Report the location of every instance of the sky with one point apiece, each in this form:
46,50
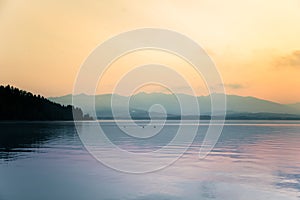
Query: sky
255,44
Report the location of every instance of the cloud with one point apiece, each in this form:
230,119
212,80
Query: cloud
290,60
234,86
228,86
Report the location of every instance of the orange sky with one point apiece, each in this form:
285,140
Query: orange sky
255,44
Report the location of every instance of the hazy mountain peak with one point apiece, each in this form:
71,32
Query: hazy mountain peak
143,101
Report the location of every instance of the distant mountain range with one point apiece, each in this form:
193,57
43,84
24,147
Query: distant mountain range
295,106
238,107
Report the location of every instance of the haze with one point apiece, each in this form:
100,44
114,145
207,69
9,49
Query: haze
255,44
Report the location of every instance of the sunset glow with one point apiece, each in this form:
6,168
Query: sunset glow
254,44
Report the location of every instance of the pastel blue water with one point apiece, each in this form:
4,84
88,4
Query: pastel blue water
252,160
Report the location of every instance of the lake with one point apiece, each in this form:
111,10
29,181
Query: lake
251,160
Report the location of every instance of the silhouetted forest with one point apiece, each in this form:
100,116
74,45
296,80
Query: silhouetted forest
16,104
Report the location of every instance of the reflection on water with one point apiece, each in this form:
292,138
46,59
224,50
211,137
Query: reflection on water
252,160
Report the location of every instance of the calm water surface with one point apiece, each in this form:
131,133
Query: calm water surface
252,160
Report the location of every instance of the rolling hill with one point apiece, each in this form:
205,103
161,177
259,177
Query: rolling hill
16,104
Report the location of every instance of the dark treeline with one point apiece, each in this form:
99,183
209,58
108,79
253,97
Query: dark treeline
18,104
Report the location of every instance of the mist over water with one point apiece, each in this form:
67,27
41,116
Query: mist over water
252,160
